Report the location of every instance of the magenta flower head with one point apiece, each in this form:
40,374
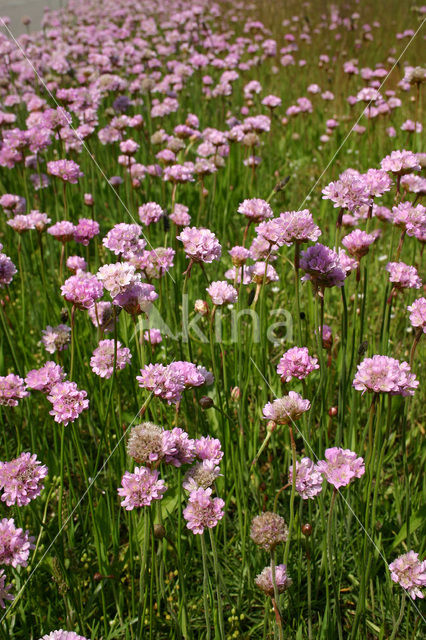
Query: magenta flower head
222,293
400,162
12,389
123,238
296,363
101,315
15,544
178,447
62,231
7,270
56,338
163,382
265,582
150,212
322,266
82,290
63,635
382,374
200,245
299,226
117,277
308,478
137,298
4,590
239,255
76,263
21,479
46,377
66,170
67,402
409,572
340,466
418,314
85,230
145,444
208,448
255,210
403,276
102,360
203,510
357,243
140,488
287,409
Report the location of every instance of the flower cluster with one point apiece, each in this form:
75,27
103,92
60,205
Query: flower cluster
102,360
409,572
21,479
67,402
308,478
265,581
383,374
15,544
12,389
340,466
296,363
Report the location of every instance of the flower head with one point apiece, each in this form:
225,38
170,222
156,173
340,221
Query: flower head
46,377
21,479
400,162
140,488
82,290
255,210
403,276
340,466
296,363
265,582
268,530
15,544
12,389
7,270
4,590
409,572
67,170
322,266
200,245
56,338
222,293
67,402
382,374
418,314
102,360
203,510
145,444
285,410
308,479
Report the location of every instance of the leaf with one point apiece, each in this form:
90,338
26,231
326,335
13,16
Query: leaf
415,521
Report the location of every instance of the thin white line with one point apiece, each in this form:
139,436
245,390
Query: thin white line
79,138
338,490
361,114
69,518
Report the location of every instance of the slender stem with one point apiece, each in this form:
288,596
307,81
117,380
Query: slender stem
330,564
401,614
206,588
292,496
276,596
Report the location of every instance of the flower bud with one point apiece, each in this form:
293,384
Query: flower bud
235,394
201,307
159,531
307,530
206,402
332,412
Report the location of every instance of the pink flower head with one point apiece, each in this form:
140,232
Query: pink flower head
67,402
308,479
382,374
136,298
76,263
63,635
62,231
180,215
400,162
162,382
178,447
150,212
239,255
56,338
15,544
46,377
85,230
82,290
21,479
358,242
153,336
4,590
208,448
255,210
140,488
322,266
341,466
102,360
203,510
265,581
263,273
403,276
123,238
12,389
286,409
222,293
299,226
296,363
66,170
418,314
117,277
409,572
200,245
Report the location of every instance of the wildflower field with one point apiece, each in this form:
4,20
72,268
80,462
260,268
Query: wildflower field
211,321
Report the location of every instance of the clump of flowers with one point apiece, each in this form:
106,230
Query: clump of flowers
298,227
200,245
265,582
66,170
255,210
56,338
15,544
418,314
357,243
178,447
145,444
403,276
46,377
203,511
150,212
202,474
268,530
163,382
102,360
340,466
62,231
222,293
140,488
76,263
21,479
137,298
12,389
400,162
308,478
409,572
296,363
67,402
322,266
7,270
85,230
382,374
117,277
123,238
82,290
287,409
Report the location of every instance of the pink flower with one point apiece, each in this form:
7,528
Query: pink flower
15,544
76,263
46,377
123,238
200,245
21,479
163,382
222,293
85,230
82,290
67,170
67,402
102,360
4,590
255,210
296,363
7,270
322,266
286,409
382,374
403,276
208,448
341,466
140,488
56,338
150,212
308,478
400,162
358,243
418,314
62,231
265,582
409,572
203,510
12,389
62,635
